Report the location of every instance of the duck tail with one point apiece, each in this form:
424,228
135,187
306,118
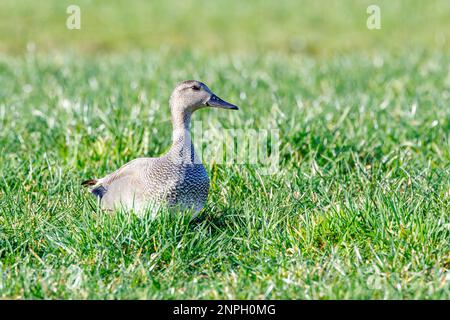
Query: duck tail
95,187
90,182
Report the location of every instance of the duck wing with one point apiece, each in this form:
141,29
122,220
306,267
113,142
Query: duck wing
126,173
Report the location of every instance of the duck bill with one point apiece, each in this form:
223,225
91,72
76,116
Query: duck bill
216,102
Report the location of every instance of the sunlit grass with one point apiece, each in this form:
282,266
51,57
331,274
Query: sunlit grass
358,209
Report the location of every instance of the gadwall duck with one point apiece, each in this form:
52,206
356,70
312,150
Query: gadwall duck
178,178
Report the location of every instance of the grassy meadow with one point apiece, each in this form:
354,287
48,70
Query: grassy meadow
359,207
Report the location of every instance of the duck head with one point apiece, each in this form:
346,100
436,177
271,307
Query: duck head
191,95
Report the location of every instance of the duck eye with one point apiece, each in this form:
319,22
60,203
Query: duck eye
195,88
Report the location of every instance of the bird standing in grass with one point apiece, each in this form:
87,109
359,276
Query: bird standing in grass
178,178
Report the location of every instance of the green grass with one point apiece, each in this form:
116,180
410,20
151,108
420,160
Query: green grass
316,27
358,209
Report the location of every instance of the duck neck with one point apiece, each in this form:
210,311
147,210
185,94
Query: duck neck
182,149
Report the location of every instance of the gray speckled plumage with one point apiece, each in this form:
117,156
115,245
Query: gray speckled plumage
178,178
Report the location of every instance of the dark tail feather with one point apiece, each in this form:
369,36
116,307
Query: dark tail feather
99,191
90,182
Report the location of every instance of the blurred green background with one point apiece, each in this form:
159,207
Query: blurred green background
313,27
